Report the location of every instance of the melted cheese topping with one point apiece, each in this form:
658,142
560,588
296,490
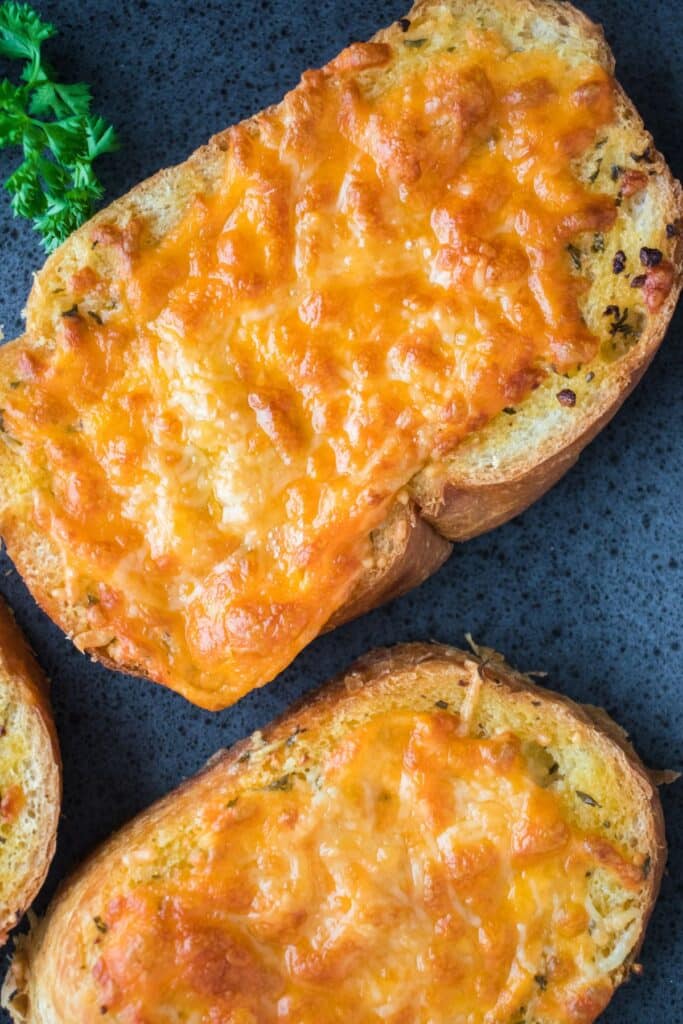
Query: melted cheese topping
382,268
421,875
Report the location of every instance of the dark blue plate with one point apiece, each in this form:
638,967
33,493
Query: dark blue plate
587,584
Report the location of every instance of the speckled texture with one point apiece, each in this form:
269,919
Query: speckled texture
588,584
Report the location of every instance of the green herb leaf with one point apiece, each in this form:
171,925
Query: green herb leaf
65,139
101,137
43,100
11,98
51,97
55,186
22,31
74,99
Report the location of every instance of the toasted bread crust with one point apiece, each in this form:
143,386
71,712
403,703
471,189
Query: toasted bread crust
410,676
463,508
489,478
407,551
27,687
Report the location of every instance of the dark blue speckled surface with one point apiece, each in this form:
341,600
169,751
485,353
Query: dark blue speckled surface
588,584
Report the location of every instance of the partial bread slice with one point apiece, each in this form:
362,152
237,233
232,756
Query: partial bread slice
30,776
491,476
307,874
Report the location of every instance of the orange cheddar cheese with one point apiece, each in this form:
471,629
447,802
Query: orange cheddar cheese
422,874
383,269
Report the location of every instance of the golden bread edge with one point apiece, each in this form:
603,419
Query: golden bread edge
28,686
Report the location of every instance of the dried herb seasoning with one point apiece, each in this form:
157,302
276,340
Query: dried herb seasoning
575,255
283,784
586,798
650,257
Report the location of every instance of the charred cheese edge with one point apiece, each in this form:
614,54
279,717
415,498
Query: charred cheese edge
231,377
432,838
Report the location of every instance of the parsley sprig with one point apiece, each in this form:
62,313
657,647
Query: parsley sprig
55,185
